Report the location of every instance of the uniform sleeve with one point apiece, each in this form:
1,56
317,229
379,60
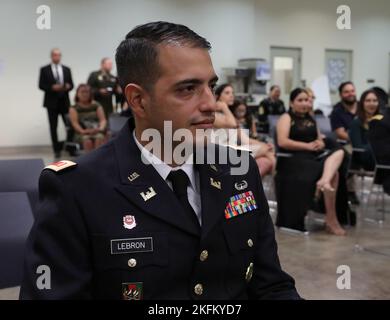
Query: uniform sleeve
269,281
93,83
58,240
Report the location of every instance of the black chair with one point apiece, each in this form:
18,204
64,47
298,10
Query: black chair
376,189
355,168
69,145
16,221
21,175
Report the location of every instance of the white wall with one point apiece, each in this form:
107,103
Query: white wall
88,30
311,25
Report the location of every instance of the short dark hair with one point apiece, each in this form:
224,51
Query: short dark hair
273,87
137,55
104,60
343,84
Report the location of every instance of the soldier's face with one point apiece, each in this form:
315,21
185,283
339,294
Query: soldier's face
275,94
107,65
184,91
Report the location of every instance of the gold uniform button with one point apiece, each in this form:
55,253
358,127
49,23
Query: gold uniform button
249,272
204,255
250,243
198,289
132,263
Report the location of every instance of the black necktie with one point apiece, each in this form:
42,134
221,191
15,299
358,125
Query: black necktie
180,183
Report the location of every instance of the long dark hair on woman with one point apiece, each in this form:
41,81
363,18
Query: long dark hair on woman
361,114
296,92
248,117
220,89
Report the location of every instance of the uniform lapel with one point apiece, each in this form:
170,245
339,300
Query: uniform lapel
137,179
214,198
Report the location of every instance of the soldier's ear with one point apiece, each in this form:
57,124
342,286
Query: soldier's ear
135,98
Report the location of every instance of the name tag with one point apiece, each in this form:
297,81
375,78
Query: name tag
133,245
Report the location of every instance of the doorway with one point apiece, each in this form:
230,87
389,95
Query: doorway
338,66
286,69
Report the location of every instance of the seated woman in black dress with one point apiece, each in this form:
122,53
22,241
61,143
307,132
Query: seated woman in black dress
309,172
368,107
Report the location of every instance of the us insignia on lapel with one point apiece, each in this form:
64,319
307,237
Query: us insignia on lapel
133,176
240,204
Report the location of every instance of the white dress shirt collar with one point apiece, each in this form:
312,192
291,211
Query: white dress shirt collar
162,168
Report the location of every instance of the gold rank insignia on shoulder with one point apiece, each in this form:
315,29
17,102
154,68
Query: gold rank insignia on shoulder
148,194
377,117
60,165
216,184
133,176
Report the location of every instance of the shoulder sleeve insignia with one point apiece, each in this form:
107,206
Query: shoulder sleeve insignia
60,165
377,117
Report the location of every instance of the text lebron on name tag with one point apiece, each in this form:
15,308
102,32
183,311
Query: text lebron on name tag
133,245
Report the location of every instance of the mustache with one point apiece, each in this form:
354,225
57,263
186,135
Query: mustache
204,120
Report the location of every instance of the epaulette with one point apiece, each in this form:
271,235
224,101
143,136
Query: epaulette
377,117
60,165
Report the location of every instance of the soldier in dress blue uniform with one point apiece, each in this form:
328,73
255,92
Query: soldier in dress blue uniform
122,223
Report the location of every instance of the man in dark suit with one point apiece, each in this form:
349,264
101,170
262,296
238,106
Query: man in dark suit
127,222
56,81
